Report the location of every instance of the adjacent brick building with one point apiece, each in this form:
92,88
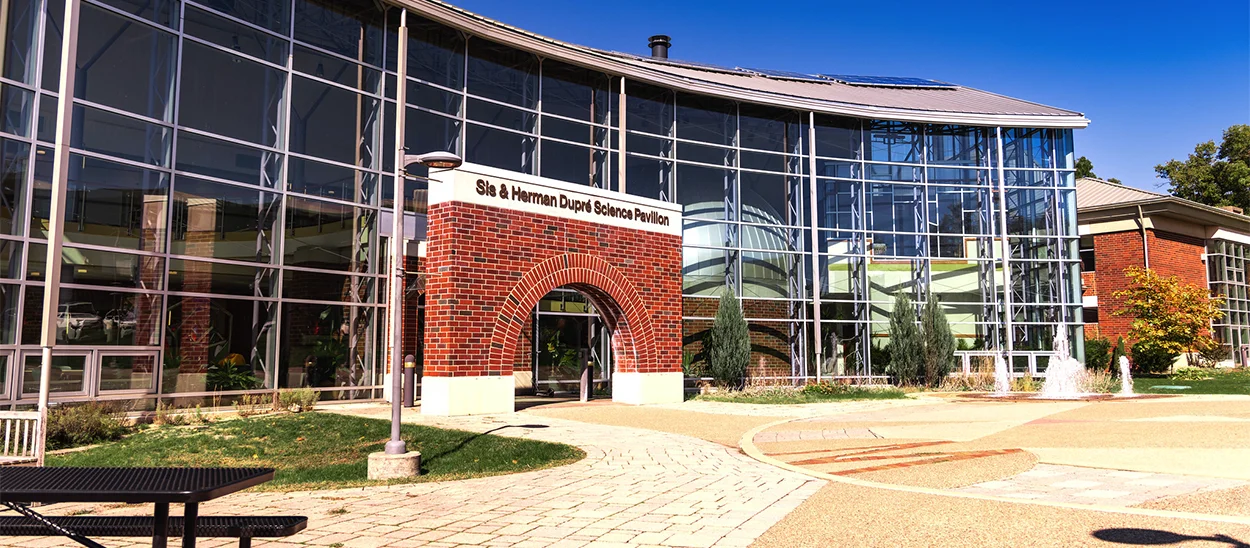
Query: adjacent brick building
1123,227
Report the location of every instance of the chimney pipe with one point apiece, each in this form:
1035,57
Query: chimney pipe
659,45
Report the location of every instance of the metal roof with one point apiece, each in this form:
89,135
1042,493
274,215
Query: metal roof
1091,192
958,105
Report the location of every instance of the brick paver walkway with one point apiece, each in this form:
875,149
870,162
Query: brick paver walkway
635,488
1081,485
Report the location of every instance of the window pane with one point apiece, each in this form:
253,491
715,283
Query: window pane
352,28
703,271
326,345
702,191
766,198
271,14
499,148
765,128
91,317
707,120
121,136
435,52
13,170
163,12
226,160
240,38
327,235
10,315
107,204
575,92
229,95
18,105
502,73
223,221
338,70
10,259
838,137
501,116
227,279
217,344
95,267
21,24
127,372
433,98
333,123
892,142
124,65
767,274
649,178
426,132
648,109
566,162
322,286
331,181
67,374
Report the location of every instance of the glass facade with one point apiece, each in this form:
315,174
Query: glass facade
1226,276
231,174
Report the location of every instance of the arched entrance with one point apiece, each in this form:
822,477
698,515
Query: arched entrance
499,242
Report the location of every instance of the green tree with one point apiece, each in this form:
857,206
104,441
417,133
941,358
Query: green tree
939,343
906,346
1084,168
1169,315
728,344
1114,181
1216,176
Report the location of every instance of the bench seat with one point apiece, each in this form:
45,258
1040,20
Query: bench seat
243,528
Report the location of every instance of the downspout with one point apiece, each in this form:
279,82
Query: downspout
1145,244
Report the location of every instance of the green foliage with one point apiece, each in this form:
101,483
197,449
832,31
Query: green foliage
322,450
298,400
692,367
231,376
1098,354
1150,358
879,355
75,425
906,346
728,343
1216,176
1084,168
787,395
1192,374
1168,314
939,343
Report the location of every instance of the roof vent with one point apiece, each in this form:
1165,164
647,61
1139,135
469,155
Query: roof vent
659,45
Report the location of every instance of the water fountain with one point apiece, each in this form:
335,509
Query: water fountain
1126,377
1002,377
1064,375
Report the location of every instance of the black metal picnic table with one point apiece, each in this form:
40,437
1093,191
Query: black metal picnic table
159,486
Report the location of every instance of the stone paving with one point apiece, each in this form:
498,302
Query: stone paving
1081,485
810,410
806,435
635,488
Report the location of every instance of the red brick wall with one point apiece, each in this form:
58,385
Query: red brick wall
489,266
1170,255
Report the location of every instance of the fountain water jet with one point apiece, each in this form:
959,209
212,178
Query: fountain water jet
1002,376
1064,375
1126,377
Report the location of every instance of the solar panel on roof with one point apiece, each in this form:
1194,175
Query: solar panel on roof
887,81
783,74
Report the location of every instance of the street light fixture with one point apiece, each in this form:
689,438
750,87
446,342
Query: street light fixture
431,160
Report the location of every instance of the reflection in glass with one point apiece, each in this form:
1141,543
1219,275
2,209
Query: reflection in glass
324,286
229,95
499,148
96,267
21,18
221,278
107,203
502,73
227,160
13,171
326,345
127,372
17,105
67,373
241,38
124,65
221,221
333,123
435,52
328,236
121,136
214,343
92,317
337,69
331,181
271,14
351,28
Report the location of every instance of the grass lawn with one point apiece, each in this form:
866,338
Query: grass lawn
792,396
1220,381
321,450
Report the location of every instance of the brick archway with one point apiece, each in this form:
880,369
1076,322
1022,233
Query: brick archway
607,289
501,241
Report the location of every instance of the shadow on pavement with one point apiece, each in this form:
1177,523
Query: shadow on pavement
1155,537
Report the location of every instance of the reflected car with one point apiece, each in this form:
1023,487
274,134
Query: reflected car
119,324
77,319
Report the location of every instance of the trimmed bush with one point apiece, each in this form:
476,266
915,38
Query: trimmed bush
1098,354
906,346
728,346
75,425
1148,358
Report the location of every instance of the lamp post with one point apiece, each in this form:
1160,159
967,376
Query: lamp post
431,160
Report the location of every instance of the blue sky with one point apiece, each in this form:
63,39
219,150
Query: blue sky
1155,78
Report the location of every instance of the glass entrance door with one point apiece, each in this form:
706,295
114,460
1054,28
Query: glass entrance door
568,333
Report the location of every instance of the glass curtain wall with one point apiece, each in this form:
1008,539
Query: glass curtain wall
231,160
